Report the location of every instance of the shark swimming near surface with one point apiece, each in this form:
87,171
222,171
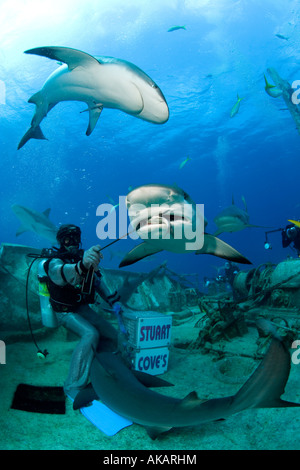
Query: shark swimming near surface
37,222
121,390
233,219
102,82
165,218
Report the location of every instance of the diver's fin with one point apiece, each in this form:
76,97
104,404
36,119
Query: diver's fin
214,246
295,222
32,133
94,116
72,57
137,253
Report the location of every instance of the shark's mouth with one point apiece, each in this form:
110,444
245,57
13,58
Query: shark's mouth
156,221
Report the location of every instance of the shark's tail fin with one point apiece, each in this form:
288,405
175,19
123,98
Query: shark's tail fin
265,386
32,133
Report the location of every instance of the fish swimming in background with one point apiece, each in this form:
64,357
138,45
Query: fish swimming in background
175,28
182,164
104,82
281,36
34,221
165,217
272,90
236,107
233,219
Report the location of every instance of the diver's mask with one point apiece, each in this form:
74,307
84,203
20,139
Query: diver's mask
69,237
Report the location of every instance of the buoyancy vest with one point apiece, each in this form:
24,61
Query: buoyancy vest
67,298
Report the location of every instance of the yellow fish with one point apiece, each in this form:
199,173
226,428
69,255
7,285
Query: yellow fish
184,162
236,107
272,90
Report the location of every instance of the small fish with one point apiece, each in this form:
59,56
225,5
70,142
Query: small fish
236,107
272,90
182,164
114,208
175,28
281,36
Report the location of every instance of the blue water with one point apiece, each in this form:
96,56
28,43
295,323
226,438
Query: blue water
226,49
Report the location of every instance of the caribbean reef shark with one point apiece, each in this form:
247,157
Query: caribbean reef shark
233,219
36,222
102,82
117,387
166,218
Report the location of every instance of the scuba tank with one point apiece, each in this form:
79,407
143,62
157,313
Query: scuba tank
49,318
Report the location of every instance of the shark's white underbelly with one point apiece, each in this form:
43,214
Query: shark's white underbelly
106,88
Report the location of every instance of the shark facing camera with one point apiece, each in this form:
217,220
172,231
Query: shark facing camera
166,218
176,227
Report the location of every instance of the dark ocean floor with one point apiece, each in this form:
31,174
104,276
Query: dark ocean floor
188,370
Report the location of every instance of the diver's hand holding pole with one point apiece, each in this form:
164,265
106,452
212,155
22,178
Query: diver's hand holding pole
91,259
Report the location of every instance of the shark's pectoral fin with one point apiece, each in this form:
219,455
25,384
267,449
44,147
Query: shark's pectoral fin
21,230
36,99
153,432
150,380
32,133
84,397
94,113
72,57
215,246
218,232
139,252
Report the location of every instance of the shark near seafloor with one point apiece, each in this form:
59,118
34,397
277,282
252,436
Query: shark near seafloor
118,388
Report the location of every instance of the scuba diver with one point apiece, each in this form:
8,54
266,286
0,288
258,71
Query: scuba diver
291,234
231,270
227,274
72,277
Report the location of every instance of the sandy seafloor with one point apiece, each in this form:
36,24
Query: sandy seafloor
188,370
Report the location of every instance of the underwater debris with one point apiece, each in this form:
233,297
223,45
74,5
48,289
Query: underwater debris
222,320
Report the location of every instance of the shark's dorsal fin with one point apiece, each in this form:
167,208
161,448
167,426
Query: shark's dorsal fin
47,212
191,400
72,57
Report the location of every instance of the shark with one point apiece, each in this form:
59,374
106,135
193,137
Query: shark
166,217
34,221
130,396
233,219
102,82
